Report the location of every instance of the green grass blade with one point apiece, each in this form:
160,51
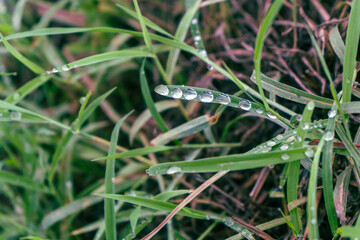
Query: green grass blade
149,101
337,43
165,196
155,204
27,88
341,192
109,208
260,40
143,27
347,231
147,21
134,217
21,181
193,126
229,162
351,46
351,107
32,66
83,102
311,204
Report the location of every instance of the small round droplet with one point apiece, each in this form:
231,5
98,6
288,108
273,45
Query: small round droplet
299,117
176,93
173,170
209,67
312,208
267,150
15,116
305,126
309,152
311,106
16,96
284,147
348,81
206,97
313,221
228,222
285,157
69,184
290,139
197,38
259,111
82,100
332,113
223,99
112,180
245,105
202,53
190,94
65,68
162,90
270,143
54,70
1,114
270,115
279,137
328,135
194,21
298,138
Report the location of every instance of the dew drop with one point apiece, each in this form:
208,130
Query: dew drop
244,233
311,106
305,126
173,170
270,143
82,100
313,221
54,70
245,105
202,53
279,137
176,93
332,113
228,222
290,139
194,21
1,114
112,180
15,116
312,208
197,38
270,115
284,147
209,67
347,80
190,94
162,90
309,152
65,68
267,149
206,97
298,138
68,184
16,96
147,171
271,166
285,157
259,111
223,99
299,117
328,135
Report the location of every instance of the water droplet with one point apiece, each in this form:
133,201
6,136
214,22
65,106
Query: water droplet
313,221
312,208
328,135
245,105
112,180
271,166
147,171
176,93
299,117
162,90
1,114
259,111
68,184
223,99
194,21
15,116
54,70
202,53
16,96
197,38
65,68
173,170
208,217
279,137
190,94
290,139
305,126
228,222
270,143
267,149
284,147
244,233
206,97
332,113
209,67
311,106
298,138
82,100
285,157
270,115
347,80
309,152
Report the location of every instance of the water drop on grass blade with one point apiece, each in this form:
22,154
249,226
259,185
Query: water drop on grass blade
271,115
332,113
65,68
270,143
15,116
259,111
194,21
284,147
290,139
82,100
206,97
279,137
313,221
328,135
285,157
197,38
190,94
162,90
309,152
223,99
16,96
209,67
173,170
228,222
176,93
245,105
311,106
202,53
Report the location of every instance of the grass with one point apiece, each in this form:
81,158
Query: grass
237,140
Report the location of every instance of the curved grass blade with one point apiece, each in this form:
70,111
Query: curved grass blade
143,27
341,192
351,107
260,39
32,66
146,115
229,162
109,207
351,47
337,43
347,231
83,102
155,204
291,93
165,196
184,130
21,181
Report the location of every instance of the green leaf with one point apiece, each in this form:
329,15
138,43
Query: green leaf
21,181
337,43
143,27
134,217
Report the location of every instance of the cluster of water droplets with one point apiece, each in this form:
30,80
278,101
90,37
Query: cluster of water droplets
64,68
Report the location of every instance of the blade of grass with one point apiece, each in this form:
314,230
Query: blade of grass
337,43
351,46
22,181
83,102
260,40
109,207
143,27
31,65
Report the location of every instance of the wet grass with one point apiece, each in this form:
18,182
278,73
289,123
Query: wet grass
252,130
